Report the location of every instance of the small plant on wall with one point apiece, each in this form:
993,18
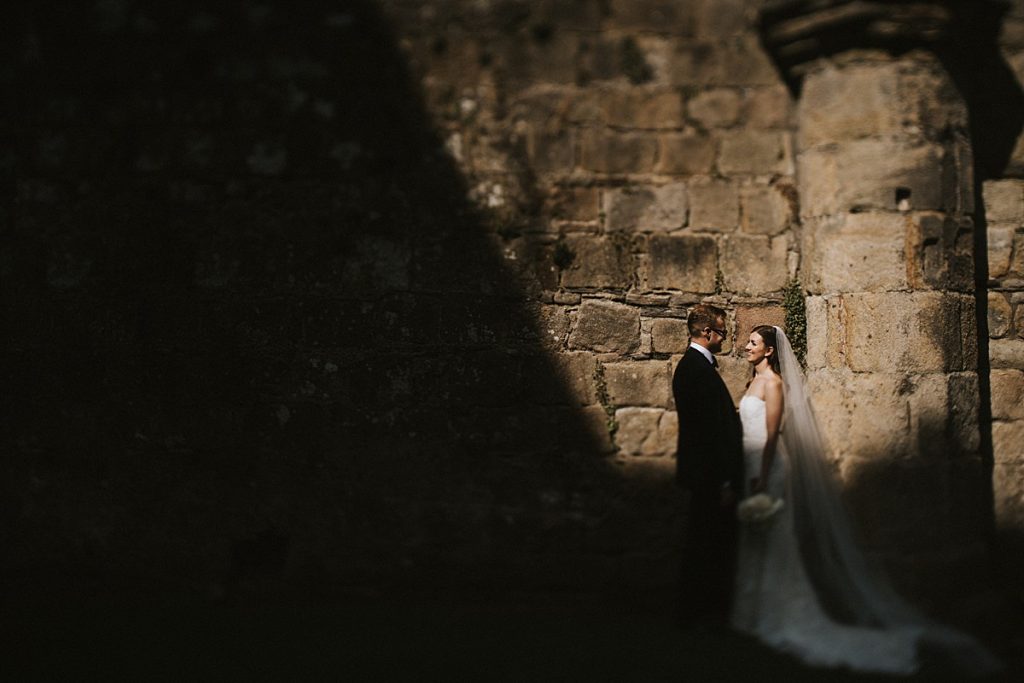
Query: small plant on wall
796,318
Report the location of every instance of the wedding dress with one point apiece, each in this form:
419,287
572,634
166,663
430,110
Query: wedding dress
802,584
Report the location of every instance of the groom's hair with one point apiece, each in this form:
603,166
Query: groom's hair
703,315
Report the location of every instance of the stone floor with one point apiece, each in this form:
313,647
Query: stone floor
367,637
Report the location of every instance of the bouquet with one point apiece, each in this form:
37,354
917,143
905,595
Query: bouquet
758,508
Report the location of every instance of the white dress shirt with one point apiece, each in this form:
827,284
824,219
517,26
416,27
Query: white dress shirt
707,354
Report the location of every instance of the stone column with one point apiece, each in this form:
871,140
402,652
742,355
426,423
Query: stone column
884,173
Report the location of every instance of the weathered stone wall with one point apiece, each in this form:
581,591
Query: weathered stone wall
886,189
1004,201
374,291
641,155
1005,261
366,291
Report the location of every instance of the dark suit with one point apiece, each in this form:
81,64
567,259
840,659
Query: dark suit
709,455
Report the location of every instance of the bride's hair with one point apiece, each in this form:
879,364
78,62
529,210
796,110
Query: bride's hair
767,333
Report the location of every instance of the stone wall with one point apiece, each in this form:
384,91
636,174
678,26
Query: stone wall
1004,201
644,151
374,291
1005,278
371,291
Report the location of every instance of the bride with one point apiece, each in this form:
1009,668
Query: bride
802,584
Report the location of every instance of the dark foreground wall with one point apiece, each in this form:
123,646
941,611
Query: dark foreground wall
254,335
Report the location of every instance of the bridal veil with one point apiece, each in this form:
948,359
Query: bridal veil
848,589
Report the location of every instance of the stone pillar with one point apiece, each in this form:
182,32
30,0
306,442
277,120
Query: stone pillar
884,172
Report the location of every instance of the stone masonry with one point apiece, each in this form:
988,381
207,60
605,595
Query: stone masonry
393,290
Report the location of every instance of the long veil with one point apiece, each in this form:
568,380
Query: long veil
846,585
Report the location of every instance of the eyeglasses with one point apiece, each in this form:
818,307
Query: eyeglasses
721,333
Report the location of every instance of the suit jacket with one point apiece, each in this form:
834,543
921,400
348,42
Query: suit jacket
710,447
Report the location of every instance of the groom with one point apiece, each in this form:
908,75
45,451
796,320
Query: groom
709,465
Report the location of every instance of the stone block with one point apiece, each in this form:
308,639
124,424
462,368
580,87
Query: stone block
573,203
752,264
1007,394
606,327
828,391
1006,353
1000,315
552,108
717,108
1008,486
661,16
817,331
767,209
879,418
940,253
649,432
756,152
851,102
646,343
1008,443
769,107
685,154
550,151
605,151
643,108
1004,201
736,373
909,332
1018,321
865,174
597,262
714,205
1017,262
531,259
745,63
962,411
720,19
669,335
552,326
580,16
639,383
570,374
856,252
687,263
640,299
646,208
527,62
692,64
927,405
748,317
1000,250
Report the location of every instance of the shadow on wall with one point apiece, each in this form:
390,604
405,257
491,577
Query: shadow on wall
995,104
255,335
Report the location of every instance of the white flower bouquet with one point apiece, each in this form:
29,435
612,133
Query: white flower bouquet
759,508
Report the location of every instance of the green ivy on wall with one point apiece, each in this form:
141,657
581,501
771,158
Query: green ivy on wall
611,424
796,318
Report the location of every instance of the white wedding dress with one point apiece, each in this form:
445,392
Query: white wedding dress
776,600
